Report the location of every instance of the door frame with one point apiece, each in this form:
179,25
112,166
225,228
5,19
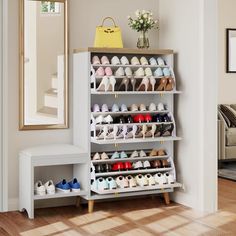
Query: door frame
3,106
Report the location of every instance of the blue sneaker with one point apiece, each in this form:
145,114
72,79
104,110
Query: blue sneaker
63,186
123,155
115,155
74,185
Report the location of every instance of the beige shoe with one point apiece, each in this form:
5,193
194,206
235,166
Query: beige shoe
132,181
153,153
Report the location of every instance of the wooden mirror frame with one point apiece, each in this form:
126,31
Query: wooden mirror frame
22,125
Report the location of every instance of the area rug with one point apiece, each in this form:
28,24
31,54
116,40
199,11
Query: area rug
228,171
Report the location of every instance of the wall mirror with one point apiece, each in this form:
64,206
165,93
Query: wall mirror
230,50
43,64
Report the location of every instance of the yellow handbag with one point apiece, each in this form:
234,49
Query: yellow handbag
108,37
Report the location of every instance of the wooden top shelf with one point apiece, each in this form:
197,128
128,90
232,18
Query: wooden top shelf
125,51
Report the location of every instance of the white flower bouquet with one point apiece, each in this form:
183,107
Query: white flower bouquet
144,21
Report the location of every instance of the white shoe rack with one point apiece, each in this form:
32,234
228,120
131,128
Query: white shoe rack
85,96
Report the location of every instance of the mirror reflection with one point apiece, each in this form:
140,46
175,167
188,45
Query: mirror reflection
44,65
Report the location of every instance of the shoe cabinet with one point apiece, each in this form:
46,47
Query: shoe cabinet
34,160
96,135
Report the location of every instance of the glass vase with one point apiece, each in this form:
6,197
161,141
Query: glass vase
143,41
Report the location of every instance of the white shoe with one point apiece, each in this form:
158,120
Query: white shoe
144,61
134,154
152,82
146,164
50,187
141,180
120,72
148,72
96,108
160,179
124,60
160,107
96,157
138,165
122,182
139,72
170,178
105,108
108,119
104,85
39,188
132,181
160,61
99,119
152,107
128,71
115,108
104,156
112,83
142,107
142,154
150,179
124,108
115,60
134,107
135,61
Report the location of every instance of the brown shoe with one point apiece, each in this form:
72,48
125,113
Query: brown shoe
153,153
161,152
162,85
156,164
170,85
165,164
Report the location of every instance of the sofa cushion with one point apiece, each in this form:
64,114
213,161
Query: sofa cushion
230,152
231,137
230,113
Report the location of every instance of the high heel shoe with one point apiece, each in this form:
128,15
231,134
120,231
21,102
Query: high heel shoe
151,131
158,131
129,133
112,83
133,83
152,82
112,134
138,133
162,85
167,130
144,130
125,83
143,85
134,131
170,85
148,134
103,133
104,85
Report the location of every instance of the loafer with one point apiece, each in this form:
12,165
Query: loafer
143,61
96,108
152,107
100,71
170,178
153,61
139,72
105,60
108,71
124,108
104,156
138,165
115,108
160,107
111,183
150,179
160,179
122,182
160,61
124,60
141,180
142,107
132,181
123,155
102,184
74,185
96,60
120,72
115,155
135,61
134,107
134,154
158,72
115,60
96,156
148,72
128,71
166,72
105,108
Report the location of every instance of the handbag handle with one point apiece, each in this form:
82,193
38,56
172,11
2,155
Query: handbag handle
109,18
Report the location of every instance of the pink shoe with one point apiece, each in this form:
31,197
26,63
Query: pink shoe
96,60
100,71
105,60
108,71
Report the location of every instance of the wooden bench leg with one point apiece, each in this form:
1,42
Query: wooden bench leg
78,201
90,206
166,198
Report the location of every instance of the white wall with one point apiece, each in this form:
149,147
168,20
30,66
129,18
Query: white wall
84,16
189,27
227,82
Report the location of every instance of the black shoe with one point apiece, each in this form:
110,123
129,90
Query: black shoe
107,168
157,118
166,118
167,130
129,119
120,120
99,168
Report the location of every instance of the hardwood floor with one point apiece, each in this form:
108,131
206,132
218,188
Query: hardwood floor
136,217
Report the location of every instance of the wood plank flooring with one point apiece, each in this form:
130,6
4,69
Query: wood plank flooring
136,217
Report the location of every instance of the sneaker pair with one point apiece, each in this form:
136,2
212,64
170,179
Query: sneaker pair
66,187
43,189
166,178
104,184
141,165
135,154
147,180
